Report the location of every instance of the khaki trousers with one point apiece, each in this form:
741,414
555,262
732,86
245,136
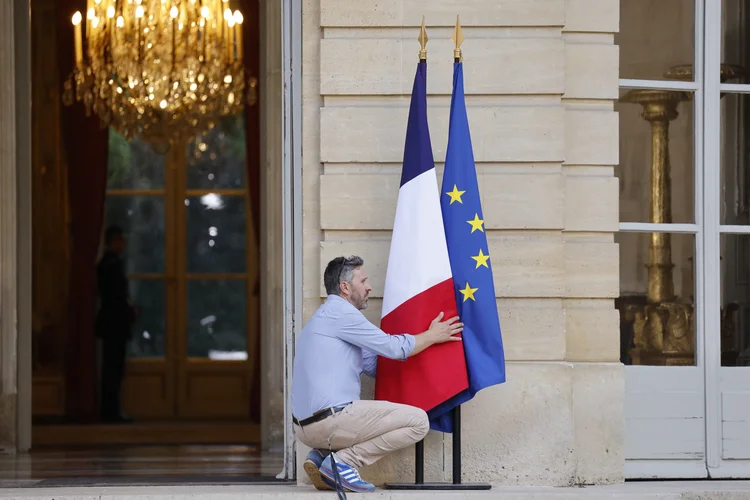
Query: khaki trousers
366,431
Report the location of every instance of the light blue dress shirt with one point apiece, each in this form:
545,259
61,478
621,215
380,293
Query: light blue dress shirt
335,347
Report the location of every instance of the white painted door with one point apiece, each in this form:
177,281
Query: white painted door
685,255
661,237
727,211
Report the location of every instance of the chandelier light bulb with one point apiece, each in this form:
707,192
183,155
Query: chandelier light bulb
139,11
238,17
76,18
173,12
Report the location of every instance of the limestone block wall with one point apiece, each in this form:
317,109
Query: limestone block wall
541,77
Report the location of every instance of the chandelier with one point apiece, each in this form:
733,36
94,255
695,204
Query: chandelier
164,70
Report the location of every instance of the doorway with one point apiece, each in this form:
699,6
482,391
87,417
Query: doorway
685,224
44,395
191,215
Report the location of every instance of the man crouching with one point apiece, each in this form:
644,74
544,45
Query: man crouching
334,348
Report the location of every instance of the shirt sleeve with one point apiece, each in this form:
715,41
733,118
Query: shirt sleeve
356,330
369,362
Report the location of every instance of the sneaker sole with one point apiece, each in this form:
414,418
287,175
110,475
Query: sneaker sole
328,475
314,474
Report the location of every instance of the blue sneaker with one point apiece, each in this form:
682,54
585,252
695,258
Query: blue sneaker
350,478
312,467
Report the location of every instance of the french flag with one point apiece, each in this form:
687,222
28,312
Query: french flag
419,282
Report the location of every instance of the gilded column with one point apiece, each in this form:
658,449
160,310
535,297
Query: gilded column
659,108
663,328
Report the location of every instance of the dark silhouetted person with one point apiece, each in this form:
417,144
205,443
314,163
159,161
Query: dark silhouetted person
114,322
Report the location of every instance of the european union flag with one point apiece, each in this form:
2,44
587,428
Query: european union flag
470,262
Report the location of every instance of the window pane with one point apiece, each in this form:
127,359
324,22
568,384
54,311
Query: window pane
133,164
735,158
217,326
142,220
216,159
657,283
735,300
149,331
656,36
215,233
656,156
735,56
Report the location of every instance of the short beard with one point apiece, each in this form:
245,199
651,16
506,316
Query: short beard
359,302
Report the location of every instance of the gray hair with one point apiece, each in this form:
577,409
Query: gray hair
340,270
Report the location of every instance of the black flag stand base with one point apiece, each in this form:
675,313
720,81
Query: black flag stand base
419,483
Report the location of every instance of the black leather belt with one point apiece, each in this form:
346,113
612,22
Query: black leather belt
318,415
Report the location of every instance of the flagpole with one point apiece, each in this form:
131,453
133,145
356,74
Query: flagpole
458,38
419,448
457,445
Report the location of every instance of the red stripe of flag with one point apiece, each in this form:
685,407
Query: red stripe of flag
432,376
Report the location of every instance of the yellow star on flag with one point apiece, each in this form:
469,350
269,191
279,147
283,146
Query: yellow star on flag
468,292
476,223
455,195
481,259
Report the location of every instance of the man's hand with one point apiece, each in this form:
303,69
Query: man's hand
445,331
438,333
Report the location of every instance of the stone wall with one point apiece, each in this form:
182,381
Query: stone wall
541,77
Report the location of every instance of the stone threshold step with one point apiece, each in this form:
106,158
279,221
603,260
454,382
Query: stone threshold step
667,490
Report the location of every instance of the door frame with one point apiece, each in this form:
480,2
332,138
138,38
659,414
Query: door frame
712,241
21,36
291,49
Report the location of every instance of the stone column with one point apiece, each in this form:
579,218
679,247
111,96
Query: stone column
8,231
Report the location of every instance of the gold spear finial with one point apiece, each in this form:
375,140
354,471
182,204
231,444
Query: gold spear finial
423,42
458,39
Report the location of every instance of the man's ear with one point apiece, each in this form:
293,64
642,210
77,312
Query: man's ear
344,287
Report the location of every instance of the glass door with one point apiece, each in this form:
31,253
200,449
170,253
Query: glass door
661,233
141,200
192,264
727,211
218,277
685,237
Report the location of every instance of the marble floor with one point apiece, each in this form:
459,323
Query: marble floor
141,465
